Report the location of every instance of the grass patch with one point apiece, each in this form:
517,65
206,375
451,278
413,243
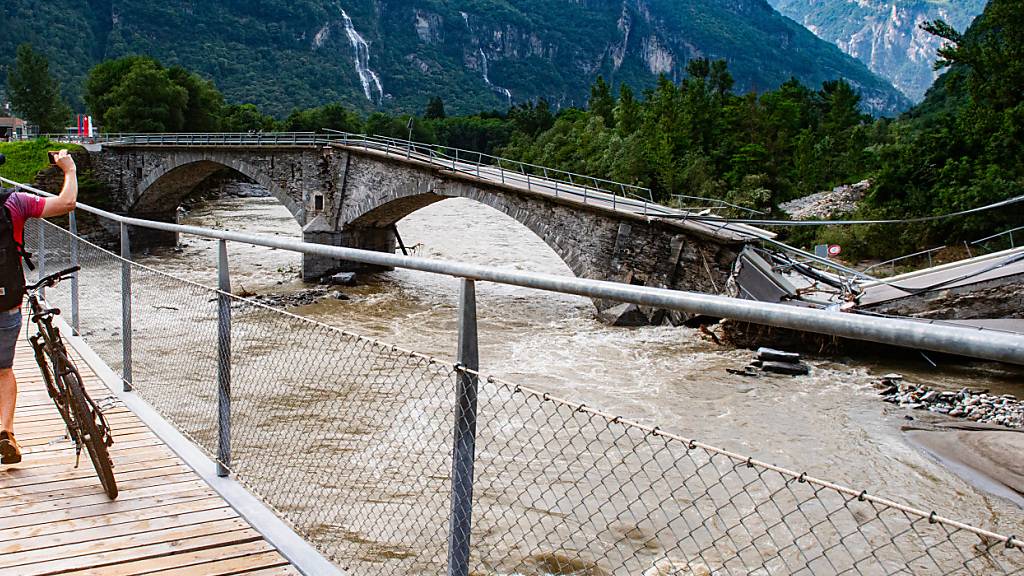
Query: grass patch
25,159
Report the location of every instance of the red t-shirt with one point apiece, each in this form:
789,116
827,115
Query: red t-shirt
22,207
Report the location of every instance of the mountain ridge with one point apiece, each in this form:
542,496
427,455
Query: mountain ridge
396,54
885,34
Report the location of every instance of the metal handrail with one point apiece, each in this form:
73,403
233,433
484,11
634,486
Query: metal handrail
465,161
1003,233
719,202
929,252
923,335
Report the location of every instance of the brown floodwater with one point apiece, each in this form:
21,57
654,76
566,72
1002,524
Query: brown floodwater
830,424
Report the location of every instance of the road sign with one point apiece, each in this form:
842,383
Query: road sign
834,250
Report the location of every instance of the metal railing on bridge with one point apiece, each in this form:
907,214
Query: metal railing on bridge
393,462
532,177
984,243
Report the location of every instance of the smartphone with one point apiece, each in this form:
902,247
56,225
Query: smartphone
53,156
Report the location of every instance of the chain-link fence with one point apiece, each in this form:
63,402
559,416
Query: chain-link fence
350,440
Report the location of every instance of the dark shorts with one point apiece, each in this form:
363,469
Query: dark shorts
10,327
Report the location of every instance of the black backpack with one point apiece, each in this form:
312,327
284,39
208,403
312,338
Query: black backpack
12,275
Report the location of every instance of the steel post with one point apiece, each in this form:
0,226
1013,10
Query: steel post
464,450
73,238
41,250
126,309
223,361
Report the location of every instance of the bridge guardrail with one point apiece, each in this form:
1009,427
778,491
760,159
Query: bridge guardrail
398,463
983,242
892,263
559,182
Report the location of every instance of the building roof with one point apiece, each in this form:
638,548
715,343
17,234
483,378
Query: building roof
12,122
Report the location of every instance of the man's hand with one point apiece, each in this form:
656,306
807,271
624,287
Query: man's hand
65,202
65,162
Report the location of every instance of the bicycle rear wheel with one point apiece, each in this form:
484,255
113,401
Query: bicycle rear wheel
89,433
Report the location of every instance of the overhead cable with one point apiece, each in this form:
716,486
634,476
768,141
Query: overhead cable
758,222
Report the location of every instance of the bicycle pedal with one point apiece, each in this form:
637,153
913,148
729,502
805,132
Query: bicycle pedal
107,403
58,440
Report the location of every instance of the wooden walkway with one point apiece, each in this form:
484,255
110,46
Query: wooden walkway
55,519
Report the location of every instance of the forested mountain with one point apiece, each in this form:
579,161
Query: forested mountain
395,54
885,34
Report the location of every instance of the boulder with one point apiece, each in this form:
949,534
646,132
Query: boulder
340,279
628,315
797,369
772,355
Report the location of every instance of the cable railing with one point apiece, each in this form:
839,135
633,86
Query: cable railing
394,462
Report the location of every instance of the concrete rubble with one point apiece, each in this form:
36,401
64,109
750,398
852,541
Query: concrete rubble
973,405
302,298
774,361
840,200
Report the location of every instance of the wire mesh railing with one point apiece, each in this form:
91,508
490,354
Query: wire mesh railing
365,449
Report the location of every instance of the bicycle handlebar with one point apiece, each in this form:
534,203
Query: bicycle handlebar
52,279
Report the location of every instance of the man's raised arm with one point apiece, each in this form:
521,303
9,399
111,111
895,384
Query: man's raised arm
65,202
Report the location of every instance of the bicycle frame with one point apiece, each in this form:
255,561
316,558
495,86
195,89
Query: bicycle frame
57,367
54,364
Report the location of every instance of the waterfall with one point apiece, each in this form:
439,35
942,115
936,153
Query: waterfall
499,89
367,77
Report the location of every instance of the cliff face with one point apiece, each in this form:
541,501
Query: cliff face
396,54
885,34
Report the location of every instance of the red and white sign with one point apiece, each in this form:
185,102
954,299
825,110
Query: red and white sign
835,249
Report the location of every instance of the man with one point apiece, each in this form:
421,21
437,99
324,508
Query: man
20,207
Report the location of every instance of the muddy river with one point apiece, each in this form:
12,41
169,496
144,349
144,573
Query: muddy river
830,424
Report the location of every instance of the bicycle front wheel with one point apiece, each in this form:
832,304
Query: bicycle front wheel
89,433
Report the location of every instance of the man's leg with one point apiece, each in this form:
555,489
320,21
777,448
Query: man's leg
8,399
10,327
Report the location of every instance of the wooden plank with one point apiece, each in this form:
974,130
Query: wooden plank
168,510
25,427
54,518
104,509
125,441
98,498
148,558
126,481
161,522
12,483
55,465
267,563
72,496
82,554
286,570
58,436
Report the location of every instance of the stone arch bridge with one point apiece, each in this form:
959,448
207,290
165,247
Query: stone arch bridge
345,195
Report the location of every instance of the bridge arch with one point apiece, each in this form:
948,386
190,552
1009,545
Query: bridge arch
166,185
388,205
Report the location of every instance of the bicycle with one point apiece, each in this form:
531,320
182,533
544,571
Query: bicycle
84,420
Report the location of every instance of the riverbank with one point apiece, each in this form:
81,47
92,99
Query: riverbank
27,158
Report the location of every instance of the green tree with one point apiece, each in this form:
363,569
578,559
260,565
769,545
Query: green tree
333,116
148,100
246,118
34,94
203,110
601,102
993,51
137,94
101,82
627,111
435,109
